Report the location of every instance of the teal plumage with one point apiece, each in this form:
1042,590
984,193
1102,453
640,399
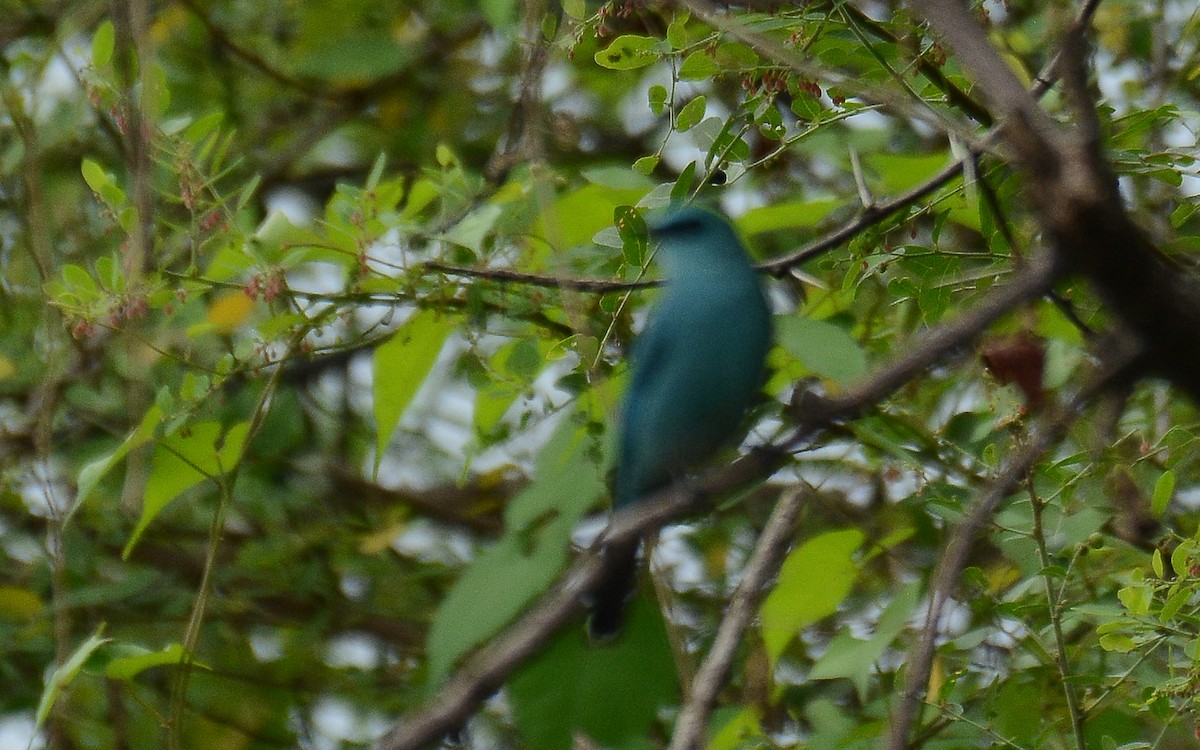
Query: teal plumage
695,371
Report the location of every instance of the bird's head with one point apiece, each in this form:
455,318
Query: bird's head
692,238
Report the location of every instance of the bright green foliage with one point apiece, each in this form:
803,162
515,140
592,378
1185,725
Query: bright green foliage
795,603
401,364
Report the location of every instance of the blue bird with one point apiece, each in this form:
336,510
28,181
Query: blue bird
695,370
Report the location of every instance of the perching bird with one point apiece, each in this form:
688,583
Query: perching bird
695,370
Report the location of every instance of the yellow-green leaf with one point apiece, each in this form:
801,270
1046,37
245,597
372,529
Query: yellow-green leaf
401,365
627,52
61,677
191,455
813,581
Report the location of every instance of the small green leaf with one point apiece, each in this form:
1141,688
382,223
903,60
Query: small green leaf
698,66
658,98
79,281
182,460
1164,488
1174,603
576,9
1117,642
677,30
132,660
491,403
628,52
92,472
62,676
401,365
475,226
795,602
156,92
500,14
692,113
1181,556
203,127
683,183
102,44
646,164
95,176
1137,599
823,347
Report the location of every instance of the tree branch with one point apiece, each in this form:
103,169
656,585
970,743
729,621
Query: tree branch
1048,432
770,552
1074,193
485,671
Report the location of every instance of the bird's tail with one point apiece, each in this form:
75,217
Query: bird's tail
613,591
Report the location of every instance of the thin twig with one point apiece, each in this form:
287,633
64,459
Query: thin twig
692,725
1055,611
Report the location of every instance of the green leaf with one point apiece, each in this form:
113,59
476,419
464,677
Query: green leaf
354,57
93,471
658,98
576,9
475,226
1137,598
578,215
500,14
401,365
132,660
508,575
1174,603
574,686
813,581
62,676
899,172
823,347
855,659
692,113
1118,642
628,52
1164,488
203,127
1182,556
792,215
734,733
677,30
491,403
102,44
156,92
698,66
645,165
193,454
95,176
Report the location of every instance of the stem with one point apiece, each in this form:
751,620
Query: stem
1054,605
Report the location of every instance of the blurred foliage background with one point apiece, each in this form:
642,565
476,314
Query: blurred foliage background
298,404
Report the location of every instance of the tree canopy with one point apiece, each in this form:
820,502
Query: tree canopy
314,326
